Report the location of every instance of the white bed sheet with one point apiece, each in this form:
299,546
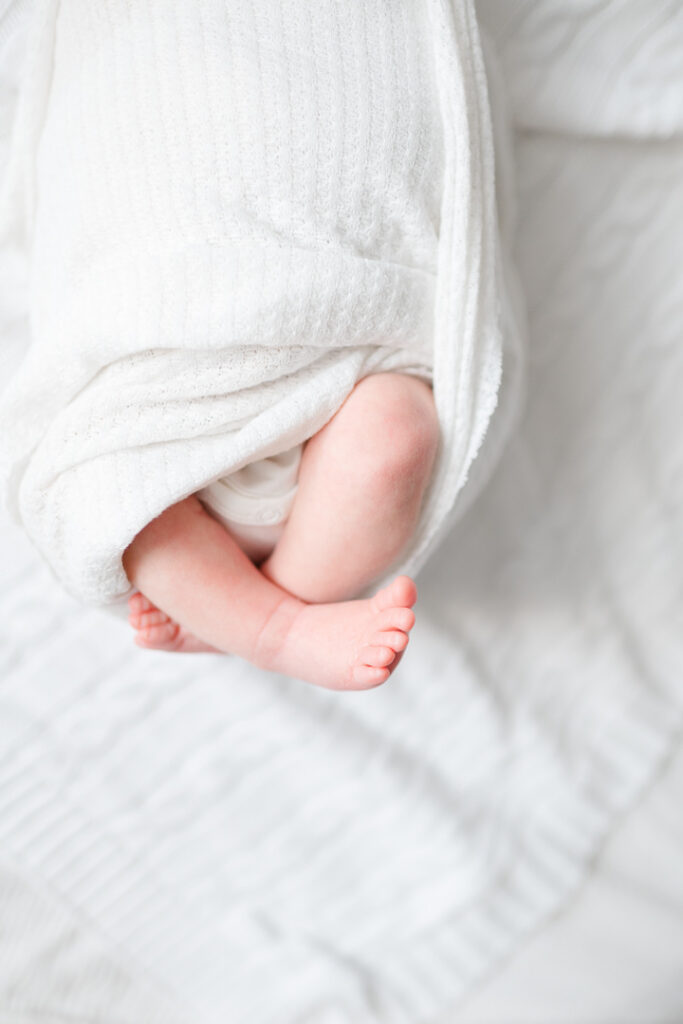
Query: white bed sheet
614,953
600,250
615,956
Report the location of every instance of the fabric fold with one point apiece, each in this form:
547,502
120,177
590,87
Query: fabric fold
226,236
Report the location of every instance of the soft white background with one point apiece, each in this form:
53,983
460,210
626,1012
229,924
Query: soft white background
142,798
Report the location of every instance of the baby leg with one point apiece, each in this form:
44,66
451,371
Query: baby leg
187,564
361,483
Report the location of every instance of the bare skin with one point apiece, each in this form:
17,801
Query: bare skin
361,483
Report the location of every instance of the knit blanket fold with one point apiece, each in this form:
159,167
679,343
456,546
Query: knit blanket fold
225,236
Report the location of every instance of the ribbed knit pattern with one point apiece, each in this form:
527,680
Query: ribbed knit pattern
235,211
191,841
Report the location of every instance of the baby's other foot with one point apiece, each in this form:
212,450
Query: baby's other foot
155,630
348,645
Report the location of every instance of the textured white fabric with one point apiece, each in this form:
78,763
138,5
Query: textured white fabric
261,493
254,502
190,840
590,68
234,212
616,954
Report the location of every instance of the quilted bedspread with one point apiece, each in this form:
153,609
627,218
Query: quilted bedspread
187,840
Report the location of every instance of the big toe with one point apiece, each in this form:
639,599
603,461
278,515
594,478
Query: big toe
400,593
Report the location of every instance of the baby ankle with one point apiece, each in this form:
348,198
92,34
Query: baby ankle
270,643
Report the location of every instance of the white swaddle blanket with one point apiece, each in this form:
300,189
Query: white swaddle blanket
225,236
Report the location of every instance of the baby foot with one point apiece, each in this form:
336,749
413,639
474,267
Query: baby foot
348,645
155,630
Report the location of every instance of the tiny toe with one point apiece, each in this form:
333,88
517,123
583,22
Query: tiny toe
366,677
401,592
139,603
158,636
154,618
395,639
376,657
396,618
144,619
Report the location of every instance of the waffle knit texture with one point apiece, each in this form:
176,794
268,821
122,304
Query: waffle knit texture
197,841
234,212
